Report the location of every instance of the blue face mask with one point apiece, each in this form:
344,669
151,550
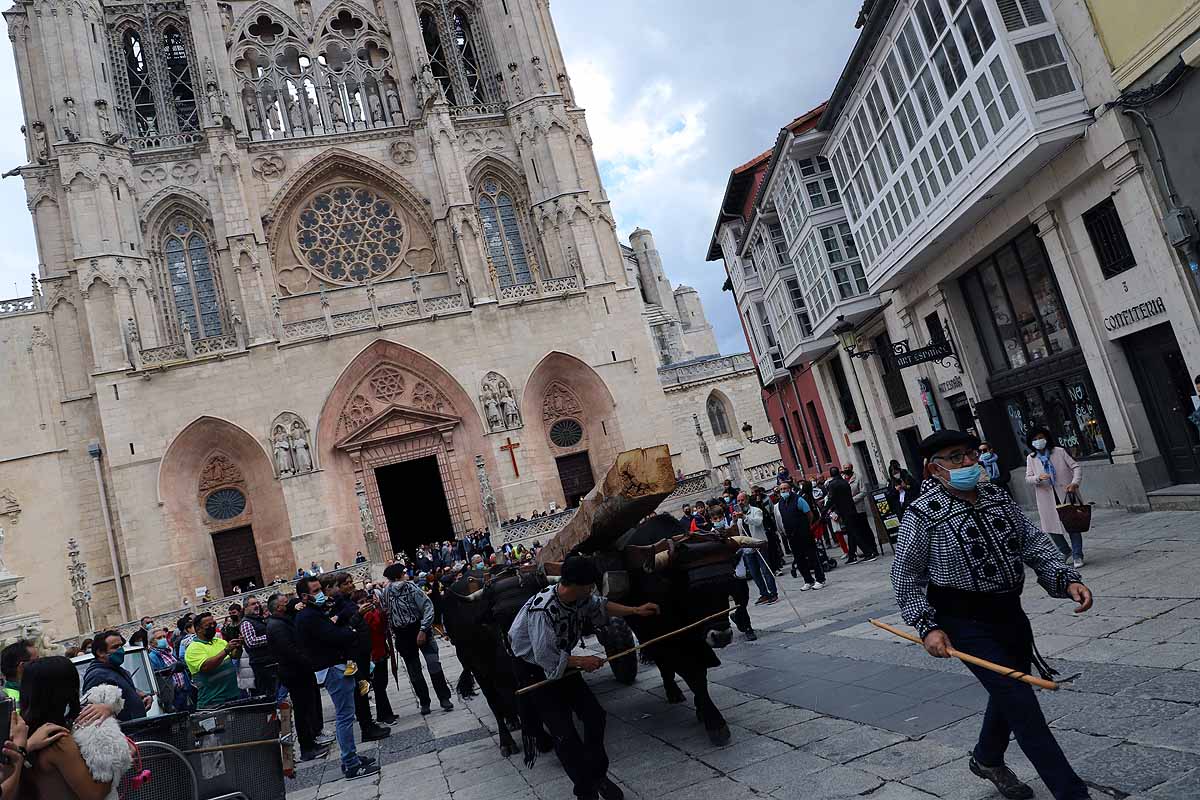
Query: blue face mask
965,478
117,657
320,599
785,495
161,644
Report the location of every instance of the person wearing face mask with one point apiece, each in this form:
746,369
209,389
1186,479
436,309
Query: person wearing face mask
795,519
1054,475
990,463
169,672
210,662
253,633
108,649
958,573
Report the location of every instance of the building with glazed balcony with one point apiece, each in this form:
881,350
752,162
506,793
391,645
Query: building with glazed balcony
1007,211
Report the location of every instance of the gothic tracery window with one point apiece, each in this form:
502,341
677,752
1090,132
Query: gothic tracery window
718,417
502,234
190,281
458,55
349,233
156,97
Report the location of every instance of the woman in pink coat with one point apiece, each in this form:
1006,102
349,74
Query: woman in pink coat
1053,474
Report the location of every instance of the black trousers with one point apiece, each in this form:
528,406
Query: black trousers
774,551
1012,706
405,640
858,534
306,705
266,680
584,759
806,561
740,592
379,684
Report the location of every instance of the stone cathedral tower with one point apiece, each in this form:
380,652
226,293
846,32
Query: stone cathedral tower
316,277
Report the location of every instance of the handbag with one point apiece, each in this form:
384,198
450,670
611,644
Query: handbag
1075,515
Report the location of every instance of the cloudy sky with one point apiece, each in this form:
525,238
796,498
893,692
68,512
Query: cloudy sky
678,92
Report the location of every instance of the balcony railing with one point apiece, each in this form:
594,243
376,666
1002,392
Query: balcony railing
691,372
540,529
21,305
375,316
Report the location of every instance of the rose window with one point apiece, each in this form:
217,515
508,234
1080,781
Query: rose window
225,504
350,234
566,433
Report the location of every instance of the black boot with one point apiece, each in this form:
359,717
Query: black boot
1004,779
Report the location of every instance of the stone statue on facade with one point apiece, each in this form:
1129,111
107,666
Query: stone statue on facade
491,409
216,104
253,120
376,107
336,112
508,404
283,451
490,514
102,117
304,14
41,146
301,457
393,100
3,566
295,117
71,116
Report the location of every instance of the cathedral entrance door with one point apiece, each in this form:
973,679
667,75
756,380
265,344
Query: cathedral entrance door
237,559
414,504
575,473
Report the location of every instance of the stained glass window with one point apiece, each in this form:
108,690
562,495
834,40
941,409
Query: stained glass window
226,503
193,284
502,233
566,433
717,416
350,234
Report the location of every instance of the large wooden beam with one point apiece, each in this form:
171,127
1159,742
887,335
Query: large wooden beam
634,486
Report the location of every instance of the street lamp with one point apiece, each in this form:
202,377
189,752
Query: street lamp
849,339
748,431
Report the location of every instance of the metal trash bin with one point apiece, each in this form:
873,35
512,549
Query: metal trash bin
232,749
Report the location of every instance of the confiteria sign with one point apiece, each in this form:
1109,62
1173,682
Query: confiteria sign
1134,314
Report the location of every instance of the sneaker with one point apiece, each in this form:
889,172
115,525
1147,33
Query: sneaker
806,587
324,740
1009,785
772,600
375,733
447,705
871,558
425,710
818,585
392,720
366,760
313,755
778,573
760,601
751,636
361,770
1078,563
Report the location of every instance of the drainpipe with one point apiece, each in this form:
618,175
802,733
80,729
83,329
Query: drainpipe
122,601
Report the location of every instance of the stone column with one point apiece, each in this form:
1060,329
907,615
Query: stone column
490,514
81,590
367,521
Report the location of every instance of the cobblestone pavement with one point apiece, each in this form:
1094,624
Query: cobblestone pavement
824,705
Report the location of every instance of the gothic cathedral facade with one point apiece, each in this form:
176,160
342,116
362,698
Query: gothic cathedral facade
309,268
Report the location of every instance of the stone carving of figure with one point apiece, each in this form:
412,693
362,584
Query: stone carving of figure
102,116
314,111
539,72
356,111
226,17
274,118
216,105
335,109
489,499
427,89
393,100
71,128
283,451
253,120
376,107
300,454
3,566
304,14
295,117
512,416
491,409
41,147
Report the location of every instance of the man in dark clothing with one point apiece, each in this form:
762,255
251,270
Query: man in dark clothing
108,648
839,497
345,614
794,513
329,646
233,628
410,613
758,499
296,673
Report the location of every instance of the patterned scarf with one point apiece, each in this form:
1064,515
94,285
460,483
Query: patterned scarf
1048,466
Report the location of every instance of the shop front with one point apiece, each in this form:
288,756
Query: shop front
1037,373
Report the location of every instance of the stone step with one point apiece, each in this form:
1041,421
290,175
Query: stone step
1181,497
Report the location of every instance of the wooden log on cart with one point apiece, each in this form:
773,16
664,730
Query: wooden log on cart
635,485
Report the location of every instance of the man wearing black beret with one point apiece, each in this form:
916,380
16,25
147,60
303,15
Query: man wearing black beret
958,572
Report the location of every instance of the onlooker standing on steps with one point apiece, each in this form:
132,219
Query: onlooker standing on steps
1054,475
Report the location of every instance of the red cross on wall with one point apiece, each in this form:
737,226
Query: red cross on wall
511,447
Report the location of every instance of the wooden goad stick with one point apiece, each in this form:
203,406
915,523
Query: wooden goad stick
1007,672
631,650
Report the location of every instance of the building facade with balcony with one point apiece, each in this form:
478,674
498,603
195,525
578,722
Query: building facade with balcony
307,268
758,238
1008,218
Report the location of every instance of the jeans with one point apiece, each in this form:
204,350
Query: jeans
1076,548
341,692
757,569
1012,706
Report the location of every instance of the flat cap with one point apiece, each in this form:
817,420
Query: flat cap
946,438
